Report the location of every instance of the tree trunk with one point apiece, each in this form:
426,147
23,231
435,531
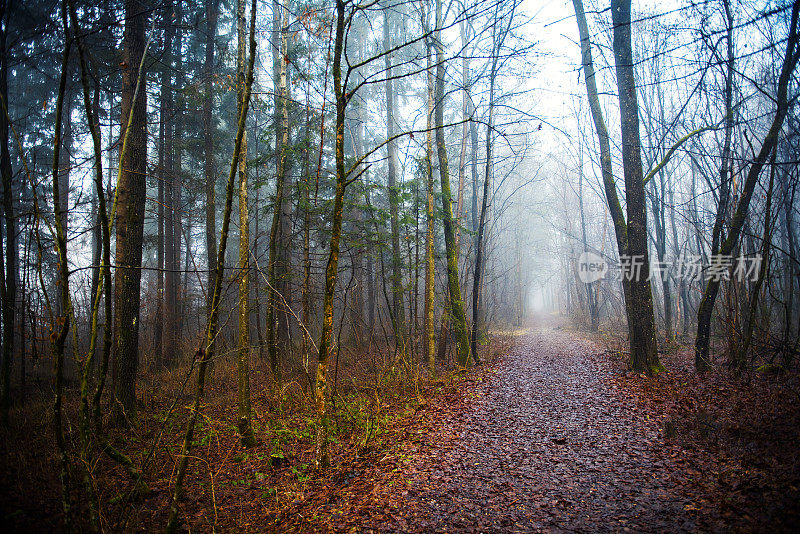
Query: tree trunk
326,339
275,271
212,10
243,423
641,322
725,168
458,317
726,248
61,324
165,177
174,183
594,317
64,165
477,318
356,128
680,294
430,257
609,186
131,189
106,221
790,265
205,354
102,250
398,312
9,280
658,207
499,32
465,116
306,291
170,260
739,361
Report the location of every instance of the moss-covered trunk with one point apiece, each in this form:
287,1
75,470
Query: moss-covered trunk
206,352
326,339
243,422
457,315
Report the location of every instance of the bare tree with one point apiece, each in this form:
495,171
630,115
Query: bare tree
727,246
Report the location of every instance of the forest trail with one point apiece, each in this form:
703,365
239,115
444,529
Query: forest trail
549,444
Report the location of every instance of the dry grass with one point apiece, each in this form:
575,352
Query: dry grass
227,486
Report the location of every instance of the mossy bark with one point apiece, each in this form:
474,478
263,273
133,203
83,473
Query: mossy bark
205,354
276,240
243,423
326,339
60,327
641,323
458,317
609,185
430,259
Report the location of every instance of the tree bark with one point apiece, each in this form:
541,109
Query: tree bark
9,279
84,418
739,361
64,164
609,185
165,168
173,228
737,222
430,257
788,192
243,423
212,11
499,33
130,218
398,312
205,354
641,321
275,265
591,301
61,324
725,169
326,339
458,317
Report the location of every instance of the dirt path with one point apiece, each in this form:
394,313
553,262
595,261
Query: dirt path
549,444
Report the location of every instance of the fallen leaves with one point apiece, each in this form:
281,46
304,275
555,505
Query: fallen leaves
550,437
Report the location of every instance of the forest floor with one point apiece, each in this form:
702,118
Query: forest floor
552,435
557,437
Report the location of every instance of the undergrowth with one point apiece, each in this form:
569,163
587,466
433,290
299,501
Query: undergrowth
369,398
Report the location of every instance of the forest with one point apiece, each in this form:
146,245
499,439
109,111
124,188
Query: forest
399,265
